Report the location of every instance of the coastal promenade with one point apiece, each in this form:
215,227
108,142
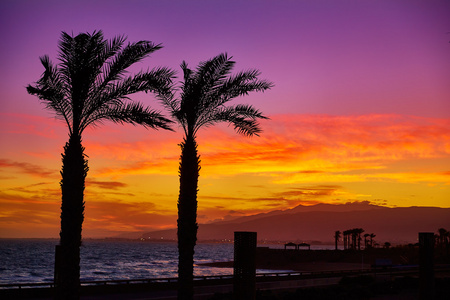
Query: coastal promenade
205,287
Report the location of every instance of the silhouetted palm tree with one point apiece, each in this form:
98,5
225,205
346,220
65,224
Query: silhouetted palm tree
372,235
204,93
355,238
346,234
442,236
358,232
337,237
87,87
354,235
366,242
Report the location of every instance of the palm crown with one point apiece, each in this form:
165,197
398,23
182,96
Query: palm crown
205,92
90,84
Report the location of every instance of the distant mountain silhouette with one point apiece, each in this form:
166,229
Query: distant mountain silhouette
319,222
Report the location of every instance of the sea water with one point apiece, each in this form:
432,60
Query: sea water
32,260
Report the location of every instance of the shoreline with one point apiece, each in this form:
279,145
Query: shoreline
331,260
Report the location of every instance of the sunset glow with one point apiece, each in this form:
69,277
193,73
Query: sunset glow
360,111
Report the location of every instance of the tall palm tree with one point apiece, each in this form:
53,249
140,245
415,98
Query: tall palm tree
202,103
337,237
87,87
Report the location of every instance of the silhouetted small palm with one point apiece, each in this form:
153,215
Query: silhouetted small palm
202,103
87,87
372,235
337,237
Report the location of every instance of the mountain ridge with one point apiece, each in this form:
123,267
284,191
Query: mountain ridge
319,222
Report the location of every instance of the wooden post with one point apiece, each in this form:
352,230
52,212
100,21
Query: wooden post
244,287
426,265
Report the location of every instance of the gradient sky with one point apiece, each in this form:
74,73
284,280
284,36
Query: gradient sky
360,111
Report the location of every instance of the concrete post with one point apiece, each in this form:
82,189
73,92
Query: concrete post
426,265
244,287
57,264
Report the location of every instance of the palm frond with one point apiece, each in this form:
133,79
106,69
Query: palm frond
213,71
239,85
89,81
81,62
158,80
132,53
133,113
210,76
51,90
244,118
248,111
205,91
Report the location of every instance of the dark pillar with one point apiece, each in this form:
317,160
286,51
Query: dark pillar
426,265
57,264
56,274
244,287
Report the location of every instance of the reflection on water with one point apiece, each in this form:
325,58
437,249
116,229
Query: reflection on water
33,260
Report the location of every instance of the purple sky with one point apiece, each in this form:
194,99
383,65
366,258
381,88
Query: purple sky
332,57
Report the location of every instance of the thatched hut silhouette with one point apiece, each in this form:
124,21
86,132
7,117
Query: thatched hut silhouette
304,245
296,246
290,245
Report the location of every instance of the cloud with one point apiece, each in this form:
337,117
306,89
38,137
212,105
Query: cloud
308,192
23,213
290,145
127,216
23,210
357,138
24,124
281,198
109,185
28,168
163,166
298,159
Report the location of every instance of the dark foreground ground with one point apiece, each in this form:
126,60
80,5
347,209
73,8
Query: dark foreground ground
379,285
360,287
339,284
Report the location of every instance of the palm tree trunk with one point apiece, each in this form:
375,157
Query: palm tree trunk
74,171
187,217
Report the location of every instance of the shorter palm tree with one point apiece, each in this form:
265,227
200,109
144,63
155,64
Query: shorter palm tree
203,101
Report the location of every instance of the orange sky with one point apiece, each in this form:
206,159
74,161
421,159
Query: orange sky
360,110
132,184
